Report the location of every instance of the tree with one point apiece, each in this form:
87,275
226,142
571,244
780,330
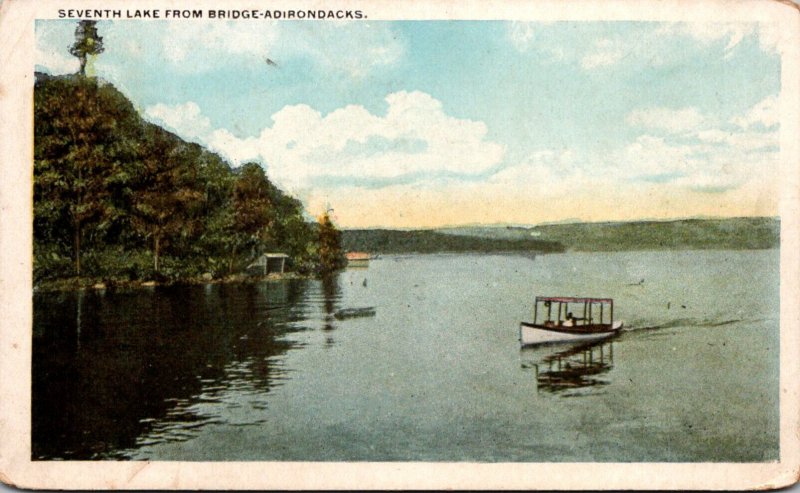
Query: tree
331,257
252,210
87,43
78,159
166,199
297,239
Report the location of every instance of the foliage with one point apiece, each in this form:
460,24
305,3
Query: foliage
252,214
119,198
78,160
331,257
168,198
425,241
741,233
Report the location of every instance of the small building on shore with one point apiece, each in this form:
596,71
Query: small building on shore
357,259
268,263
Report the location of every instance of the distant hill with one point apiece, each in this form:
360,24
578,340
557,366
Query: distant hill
426,241
745,233
751,233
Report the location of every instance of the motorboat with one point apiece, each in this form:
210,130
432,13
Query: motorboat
559,324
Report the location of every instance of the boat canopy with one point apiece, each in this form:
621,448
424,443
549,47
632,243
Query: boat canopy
563,299
563,319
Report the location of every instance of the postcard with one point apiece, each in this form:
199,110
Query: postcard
399,245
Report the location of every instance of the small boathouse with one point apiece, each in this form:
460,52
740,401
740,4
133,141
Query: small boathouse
268,263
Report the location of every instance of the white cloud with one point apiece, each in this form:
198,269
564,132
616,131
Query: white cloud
732,34
521,34
671,120
765,113
714,136
200,46
754,141
415,148
772,38
367,46
600,59
652,158
54,62
701,153
542,172
52,42
212,39
414,137
721,160
652,44
184,119
237,150
634,169
743,141
709,32
606,52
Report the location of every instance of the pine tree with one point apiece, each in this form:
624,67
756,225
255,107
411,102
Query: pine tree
87,43
331,257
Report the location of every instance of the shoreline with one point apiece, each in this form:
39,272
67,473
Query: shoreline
75,284
103,285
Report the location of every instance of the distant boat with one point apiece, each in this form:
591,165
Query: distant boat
596,323
346,313
357,259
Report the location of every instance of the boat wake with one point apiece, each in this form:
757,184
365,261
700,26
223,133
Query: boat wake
638,326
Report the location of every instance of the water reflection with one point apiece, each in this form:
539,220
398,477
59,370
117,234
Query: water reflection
559,370
109,368
331,293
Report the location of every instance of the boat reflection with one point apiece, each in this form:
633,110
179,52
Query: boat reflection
559,370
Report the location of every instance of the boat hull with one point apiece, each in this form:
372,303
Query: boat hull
530,334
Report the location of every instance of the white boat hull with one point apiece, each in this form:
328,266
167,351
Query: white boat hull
529,336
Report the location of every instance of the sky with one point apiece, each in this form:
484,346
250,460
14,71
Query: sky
438,123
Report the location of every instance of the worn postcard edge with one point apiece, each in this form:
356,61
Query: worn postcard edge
16,157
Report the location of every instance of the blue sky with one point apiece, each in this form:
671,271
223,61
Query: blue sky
429,123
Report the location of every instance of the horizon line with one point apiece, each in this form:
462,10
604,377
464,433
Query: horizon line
571,221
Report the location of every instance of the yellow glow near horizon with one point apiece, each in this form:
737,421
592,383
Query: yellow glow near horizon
404,207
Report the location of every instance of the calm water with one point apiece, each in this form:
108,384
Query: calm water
416,358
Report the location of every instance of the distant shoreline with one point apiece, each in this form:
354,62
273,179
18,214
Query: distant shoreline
735,234
743,233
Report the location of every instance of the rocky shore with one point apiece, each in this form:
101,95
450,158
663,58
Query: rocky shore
85,284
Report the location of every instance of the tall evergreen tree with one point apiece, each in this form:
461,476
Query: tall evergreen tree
331,257
87,43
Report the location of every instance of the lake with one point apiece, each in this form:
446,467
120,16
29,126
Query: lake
416,358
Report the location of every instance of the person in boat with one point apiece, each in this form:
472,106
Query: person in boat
572,320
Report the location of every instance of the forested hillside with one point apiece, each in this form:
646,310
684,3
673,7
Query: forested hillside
423,241
733,233
116,197
740,233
